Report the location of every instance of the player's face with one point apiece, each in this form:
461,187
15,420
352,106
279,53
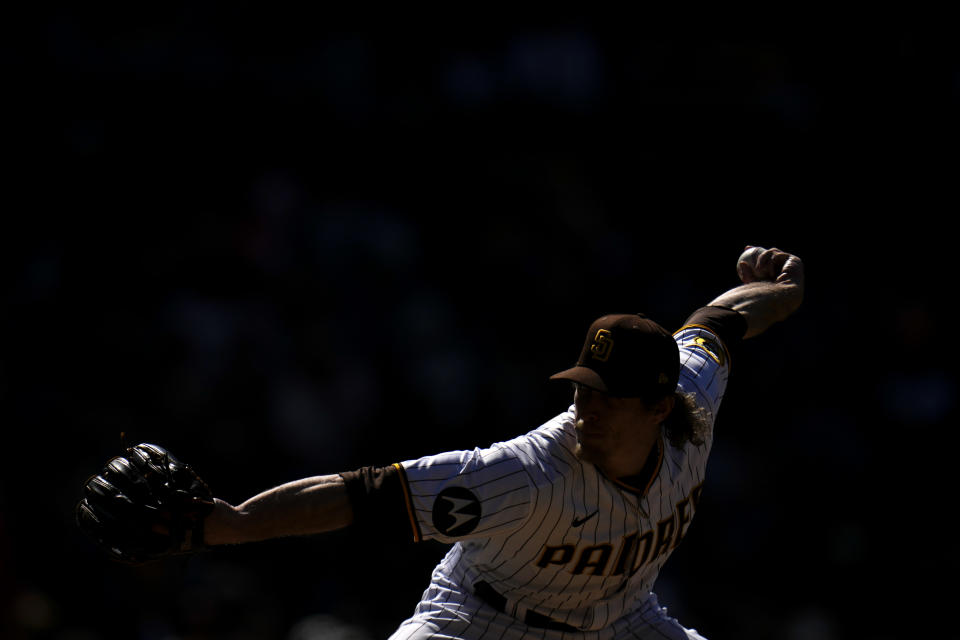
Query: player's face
607,426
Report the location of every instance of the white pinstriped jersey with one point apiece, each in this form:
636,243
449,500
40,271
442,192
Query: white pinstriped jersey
551,533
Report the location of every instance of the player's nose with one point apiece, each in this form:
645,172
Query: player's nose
589,418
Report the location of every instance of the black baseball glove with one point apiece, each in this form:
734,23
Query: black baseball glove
145,505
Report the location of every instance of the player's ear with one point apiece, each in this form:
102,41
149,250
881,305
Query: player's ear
663,407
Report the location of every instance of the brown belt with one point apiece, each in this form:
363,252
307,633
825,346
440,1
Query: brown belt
533,619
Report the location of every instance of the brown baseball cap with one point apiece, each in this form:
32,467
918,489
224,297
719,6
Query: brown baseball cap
627,356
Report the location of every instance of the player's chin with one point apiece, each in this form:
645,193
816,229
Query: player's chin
588,449
583,454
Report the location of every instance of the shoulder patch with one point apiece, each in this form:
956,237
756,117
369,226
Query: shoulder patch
711,347
456,511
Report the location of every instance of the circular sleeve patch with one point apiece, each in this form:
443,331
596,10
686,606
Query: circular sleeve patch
456,512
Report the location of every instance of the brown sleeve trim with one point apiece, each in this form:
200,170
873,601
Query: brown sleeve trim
728,325
380,499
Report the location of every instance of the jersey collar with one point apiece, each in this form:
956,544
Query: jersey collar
641,482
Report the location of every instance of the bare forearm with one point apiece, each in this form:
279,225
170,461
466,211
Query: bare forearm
761,303
303,507
772,289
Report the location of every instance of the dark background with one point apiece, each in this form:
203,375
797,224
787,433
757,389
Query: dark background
284,245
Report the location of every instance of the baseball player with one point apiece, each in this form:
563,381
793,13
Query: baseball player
562,531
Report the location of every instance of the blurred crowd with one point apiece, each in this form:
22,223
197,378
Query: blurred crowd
283,250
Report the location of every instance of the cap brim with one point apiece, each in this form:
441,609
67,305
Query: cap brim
584,376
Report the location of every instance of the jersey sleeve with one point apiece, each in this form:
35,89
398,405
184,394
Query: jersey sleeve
726,324
705,354
468,494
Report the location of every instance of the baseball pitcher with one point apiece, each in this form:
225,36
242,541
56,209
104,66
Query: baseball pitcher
558,533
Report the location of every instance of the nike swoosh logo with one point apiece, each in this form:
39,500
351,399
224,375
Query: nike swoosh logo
579,521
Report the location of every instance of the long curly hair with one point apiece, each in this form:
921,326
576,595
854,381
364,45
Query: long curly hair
688,422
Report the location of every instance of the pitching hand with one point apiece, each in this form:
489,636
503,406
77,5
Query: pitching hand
757,264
